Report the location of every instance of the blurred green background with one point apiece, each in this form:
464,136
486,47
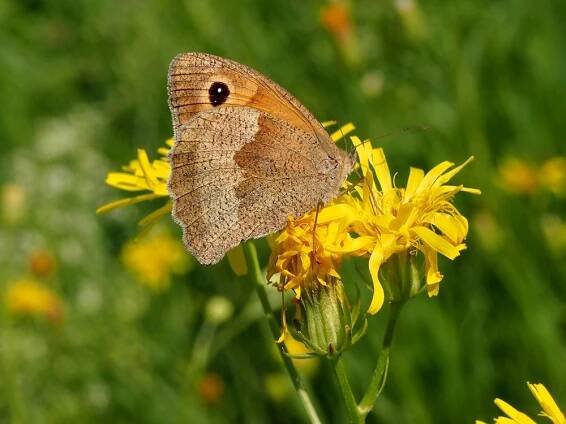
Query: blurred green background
94,328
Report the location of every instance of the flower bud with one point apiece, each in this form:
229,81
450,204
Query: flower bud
323,321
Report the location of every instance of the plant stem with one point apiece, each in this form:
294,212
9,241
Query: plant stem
254,271
382,367
354,414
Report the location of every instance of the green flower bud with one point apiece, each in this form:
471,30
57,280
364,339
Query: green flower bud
323,321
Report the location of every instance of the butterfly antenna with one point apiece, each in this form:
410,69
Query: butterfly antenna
412,128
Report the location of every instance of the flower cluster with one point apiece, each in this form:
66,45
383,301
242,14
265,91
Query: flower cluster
377,220
372,218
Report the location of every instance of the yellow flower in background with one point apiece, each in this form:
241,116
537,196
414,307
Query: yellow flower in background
391,220
141,175
29,298
308,366
154,258
518,176
553,227
553,175
549,407
13,203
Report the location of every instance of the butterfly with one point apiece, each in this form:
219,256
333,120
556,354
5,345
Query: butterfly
247,155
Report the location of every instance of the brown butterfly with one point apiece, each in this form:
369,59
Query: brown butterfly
247,155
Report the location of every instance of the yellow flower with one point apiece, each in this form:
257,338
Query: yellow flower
304,254
553,174
391,220
27,297
549,407
13,202
141,175
518,176
154,258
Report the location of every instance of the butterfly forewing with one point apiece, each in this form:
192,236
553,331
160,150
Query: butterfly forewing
192,79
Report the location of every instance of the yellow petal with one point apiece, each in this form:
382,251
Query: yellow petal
438,243
433,175
163,151
448,175
148,173
336,212
433,275
505,420
363,150
342,132
382,170
359,245
416,175
126,182
125,202
449,225
547,403
513,413
237,261
378,297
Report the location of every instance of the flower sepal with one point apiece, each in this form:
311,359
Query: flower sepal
324,319
401,277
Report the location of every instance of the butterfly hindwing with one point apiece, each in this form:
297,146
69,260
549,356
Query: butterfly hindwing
239,173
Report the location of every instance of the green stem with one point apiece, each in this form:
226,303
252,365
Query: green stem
382,367
254,271
354,414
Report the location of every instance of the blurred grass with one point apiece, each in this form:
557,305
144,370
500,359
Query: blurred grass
83,85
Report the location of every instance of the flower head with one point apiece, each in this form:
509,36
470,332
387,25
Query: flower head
549,407
153,258
417,218
29,298
141,175
304,252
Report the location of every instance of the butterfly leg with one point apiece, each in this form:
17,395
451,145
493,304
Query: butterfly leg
319,205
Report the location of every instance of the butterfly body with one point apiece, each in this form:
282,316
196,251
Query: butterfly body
247,155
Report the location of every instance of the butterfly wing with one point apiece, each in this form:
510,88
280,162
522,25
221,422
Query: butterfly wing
239,172
195,78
